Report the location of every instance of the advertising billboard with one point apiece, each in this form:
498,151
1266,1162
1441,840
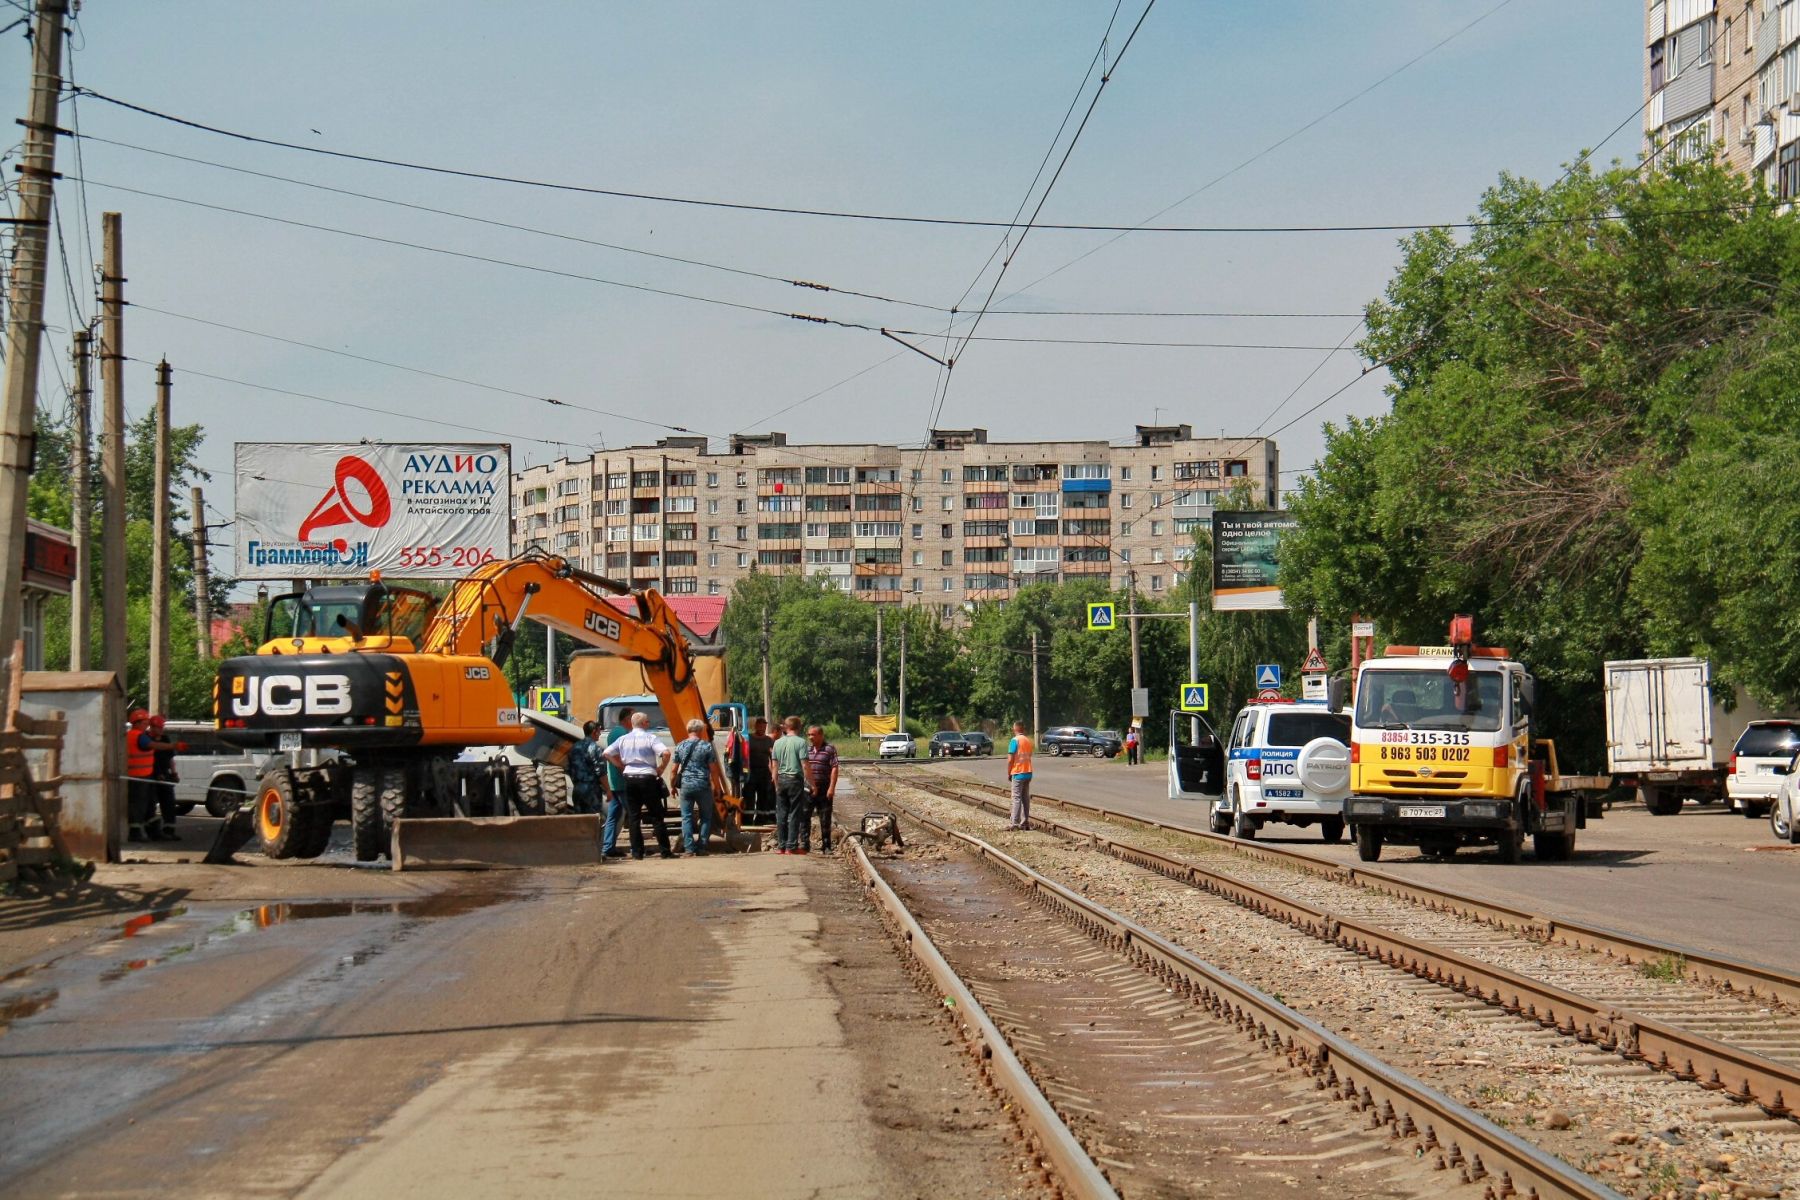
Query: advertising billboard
418,510
1245,546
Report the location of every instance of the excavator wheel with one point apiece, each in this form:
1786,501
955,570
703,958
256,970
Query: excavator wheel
553,782
392,791
368,830
529,801
278,822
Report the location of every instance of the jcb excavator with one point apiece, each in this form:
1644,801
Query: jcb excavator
393,684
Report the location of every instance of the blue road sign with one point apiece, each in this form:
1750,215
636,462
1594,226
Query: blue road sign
1193,697
1268,675
1100,616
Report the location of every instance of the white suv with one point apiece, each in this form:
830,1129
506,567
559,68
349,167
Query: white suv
1287,762
1753,781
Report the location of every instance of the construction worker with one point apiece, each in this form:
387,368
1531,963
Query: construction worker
615,790
787,764
822,779
1018,770
586,769
140,774
163,752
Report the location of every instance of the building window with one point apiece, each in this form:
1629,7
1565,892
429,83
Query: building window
828,474
1125,474
681,504
743,559
1125,555
743,478
1124,499
918,585
944,476
1124,528
918,504
1086,471
743,533
681,479
617,481
946,558
1156,528
878,529
1155,473
712,559
1728,41
1156,582
1024,528
917,474
743,506
949,584
712,508
1237,468
918,558
949,503
1156,555
1656,66
646,479
712,587
918,531
712,533
1787,171
944,531
712,479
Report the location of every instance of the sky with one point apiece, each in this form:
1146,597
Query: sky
940,109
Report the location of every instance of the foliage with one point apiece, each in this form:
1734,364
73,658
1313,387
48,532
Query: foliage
1559,382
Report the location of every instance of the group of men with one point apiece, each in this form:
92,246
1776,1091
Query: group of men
150,778
795,777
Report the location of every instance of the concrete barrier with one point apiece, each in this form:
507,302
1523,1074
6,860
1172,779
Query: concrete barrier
479,843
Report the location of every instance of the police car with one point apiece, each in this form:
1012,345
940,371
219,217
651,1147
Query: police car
1287,762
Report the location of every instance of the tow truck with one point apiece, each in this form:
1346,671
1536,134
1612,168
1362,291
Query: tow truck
399,684
1442,756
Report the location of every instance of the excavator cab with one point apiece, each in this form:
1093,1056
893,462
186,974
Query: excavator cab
370,615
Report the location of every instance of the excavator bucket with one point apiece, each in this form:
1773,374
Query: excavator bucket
482,843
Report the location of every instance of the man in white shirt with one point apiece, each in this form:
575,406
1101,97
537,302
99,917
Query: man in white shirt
642,757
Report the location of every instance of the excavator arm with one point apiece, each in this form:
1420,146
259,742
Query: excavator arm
481,615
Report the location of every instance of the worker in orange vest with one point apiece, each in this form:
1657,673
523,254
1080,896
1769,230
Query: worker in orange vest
1018,770
140,772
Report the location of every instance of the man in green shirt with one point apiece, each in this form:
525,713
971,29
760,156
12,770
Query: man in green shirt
615,800
787,762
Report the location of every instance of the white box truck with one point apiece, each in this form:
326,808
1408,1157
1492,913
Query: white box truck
1667,734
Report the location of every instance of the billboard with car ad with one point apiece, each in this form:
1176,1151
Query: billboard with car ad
1245,551
326,510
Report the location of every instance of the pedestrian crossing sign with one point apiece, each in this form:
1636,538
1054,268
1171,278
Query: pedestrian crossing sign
1268,676
1100,616
550,699
1193,697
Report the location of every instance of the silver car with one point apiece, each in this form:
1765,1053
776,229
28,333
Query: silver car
898,745
1784,812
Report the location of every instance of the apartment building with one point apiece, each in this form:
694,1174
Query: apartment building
1725,73
960,520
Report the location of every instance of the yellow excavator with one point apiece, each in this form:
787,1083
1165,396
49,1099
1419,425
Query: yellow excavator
371,692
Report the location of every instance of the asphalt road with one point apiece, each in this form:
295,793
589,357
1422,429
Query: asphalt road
736,1025
1705,878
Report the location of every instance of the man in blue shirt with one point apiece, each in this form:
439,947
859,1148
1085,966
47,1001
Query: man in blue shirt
615,790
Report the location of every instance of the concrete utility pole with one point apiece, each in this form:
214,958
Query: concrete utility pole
159,549
202,580
1194,659
112,452
81,596
768,701
880,684
902,676
549,657
1137,665
1035,723
25,304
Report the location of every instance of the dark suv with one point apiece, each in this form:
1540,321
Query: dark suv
1079,739
979,743
945,743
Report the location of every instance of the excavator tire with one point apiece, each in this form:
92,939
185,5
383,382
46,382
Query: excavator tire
392,790
278,822
368,831
554,784
530,801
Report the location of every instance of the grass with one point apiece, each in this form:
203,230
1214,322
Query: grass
1670,968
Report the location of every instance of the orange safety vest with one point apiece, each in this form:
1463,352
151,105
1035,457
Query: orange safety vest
1019,761
139,764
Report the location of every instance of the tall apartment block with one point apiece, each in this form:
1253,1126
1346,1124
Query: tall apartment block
962,519
1726,73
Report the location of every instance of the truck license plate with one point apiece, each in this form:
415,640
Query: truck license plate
291,741
1421,810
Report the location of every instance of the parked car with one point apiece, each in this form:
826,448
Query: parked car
210,772
979,743
1285,762
1080,739
1784,813
1752,780
946,743
898,745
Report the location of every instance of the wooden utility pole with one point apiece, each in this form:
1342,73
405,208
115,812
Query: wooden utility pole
112,451
1034,687
202,580
25,307
159,550
81,596
768,701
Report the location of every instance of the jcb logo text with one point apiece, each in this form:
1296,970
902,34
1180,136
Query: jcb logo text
290,695
605,626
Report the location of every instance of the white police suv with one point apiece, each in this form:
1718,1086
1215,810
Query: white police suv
1285,761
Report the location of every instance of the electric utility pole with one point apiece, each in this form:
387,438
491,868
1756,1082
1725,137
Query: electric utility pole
202,580
880,683
112,452
81,597
25,306
768,702
1034,686
159,549
902,726
1137,666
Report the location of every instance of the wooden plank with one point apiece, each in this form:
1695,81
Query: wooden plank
26,723
34,856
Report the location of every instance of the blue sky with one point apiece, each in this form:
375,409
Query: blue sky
921,108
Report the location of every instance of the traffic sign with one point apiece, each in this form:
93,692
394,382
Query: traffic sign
1268,694
1140,702
1268,676
1362,629
1100,616
1313,687
1193,697
550,699
1314,661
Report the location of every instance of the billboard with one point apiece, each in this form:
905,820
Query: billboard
1244,560
419,510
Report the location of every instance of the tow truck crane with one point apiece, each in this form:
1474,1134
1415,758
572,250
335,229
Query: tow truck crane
397,684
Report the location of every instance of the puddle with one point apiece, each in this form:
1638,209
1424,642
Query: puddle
17,1008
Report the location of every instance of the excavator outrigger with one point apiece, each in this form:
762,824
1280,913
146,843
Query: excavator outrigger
393,685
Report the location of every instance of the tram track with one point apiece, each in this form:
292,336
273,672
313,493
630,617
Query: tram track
1730,1040
1163,1068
